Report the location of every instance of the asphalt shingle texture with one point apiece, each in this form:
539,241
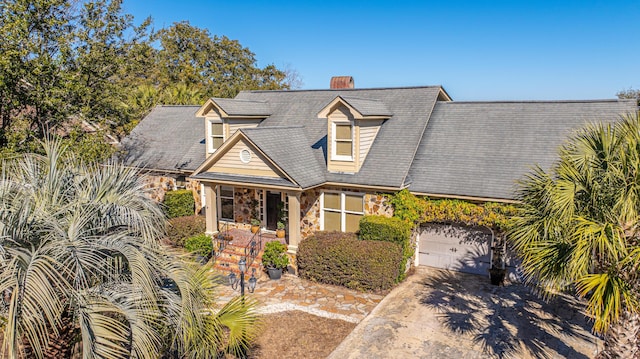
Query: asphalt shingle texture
368,107
268,181
237,107
290,149
168,138
391,154
480,149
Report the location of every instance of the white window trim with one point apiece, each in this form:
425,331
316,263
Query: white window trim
343,212
210,135
334,156
219,204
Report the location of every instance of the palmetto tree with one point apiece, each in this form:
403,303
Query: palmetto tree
80,263
578,227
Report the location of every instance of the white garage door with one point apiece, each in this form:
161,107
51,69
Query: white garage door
458,248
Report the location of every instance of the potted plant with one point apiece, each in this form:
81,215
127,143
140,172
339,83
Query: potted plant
498,272
280,233
496,275
255,216
282,219
275,259
255,225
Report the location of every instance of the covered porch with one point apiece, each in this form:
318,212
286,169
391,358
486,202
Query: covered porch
232,207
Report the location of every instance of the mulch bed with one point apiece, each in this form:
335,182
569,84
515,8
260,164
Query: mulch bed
299,335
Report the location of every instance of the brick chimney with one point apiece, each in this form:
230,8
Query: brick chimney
341,82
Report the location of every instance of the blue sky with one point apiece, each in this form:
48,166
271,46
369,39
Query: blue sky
478,50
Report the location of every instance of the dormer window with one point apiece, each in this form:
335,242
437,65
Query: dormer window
224,116
216,135
342,146
352,127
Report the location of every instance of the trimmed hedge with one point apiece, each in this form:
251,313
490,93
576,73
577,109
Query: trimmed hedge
181,228
389,229
179,203
341,259
200,245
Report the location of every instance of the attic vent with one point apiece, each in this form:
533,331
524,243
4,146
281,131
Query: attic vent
245,156
341,82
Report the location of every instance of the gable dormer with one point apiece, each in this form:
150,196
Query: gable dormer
224,116
352,126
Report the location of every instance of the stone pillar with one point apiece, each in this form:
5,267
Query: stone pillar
294,221
211,208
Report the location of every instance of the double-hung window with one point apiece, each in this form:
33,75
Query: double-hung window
342,211
342,146
226,203
216,135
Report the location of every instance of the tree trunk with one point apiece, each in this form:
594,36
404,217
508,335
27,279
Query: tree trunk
621,340
62,345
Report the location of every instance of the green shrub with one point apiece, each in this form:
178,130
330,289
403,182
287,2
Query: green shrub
179,203
389,229
341,259
408,207
274,255
181,228
200,245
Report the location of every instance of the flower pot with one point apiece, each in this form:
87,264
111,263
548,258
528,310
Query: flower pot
255,229
280,233
274,273
497,276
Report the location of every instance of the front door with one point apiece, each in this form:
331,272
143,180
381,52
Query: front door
273,201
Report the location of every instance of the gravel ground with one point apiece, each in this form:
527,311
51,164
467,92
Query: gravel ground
283,307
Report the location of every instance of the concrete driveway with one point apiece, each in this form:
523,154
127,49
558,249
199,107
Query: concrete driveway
441,314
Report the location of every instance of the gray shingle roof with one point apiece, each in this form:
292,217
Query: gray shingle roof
368,107
480,149
268,181
391,154
169,138
236,107
290,149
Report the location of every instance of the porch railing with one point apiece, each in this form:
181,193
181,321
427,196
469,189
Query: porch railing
220,239
252,248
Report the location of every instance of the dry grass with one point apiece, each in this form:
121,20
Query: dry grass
299,335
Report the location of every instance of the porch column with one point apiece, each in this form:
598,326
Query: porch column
294,221
211,208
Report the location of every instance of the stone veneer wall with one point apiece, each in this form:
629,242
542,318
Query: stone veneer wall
374,204
241,208
309,209
309,212
377,204
158,185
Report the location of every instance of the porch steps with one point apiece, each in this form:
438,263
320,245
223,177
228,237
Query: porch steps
227,261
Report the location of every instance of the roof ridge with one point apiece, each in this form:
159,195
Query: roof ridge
352,89
237,99
270,127
362,98
536,101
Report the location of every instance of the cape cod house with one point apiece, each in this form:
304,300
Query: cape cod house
328,155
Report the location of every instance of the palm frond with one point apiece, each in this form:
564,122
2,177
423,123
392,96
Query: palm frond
35,283
606,294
